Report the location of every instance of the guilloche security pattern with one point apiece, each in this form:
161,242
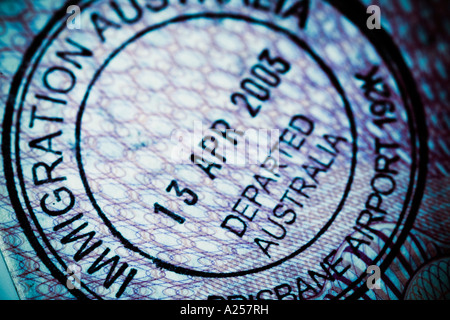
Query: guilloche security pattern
240,149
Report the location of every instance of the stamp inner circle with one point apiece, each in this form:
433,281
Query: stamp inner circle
213,137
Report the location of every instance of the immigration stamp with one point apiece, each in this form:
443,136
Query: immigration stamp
214,149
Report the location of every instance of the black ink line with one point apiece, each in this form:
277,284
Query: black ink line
220,16
173,215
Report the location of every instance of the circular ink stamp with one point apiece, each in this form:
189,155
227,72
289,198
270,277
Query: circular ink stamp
220,150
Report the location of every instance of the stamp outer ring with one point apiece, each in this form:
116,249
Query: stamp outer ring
352,10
